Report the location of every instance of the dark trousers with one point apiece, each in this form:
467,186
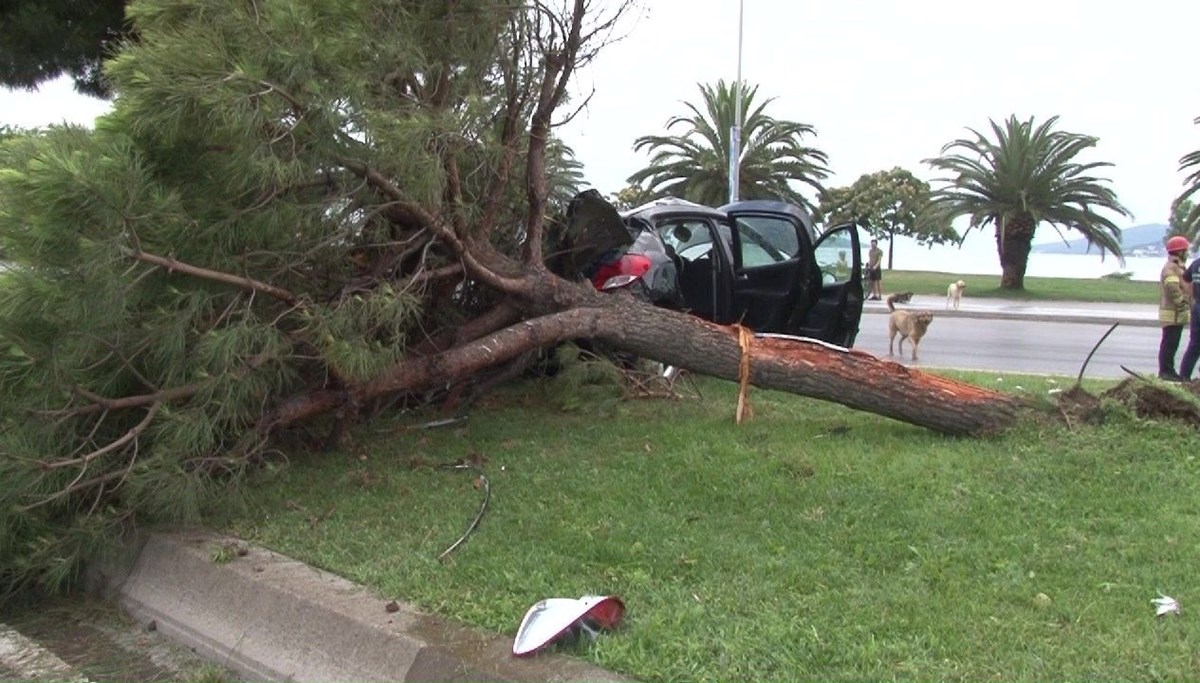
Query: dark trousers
1192,353
1167,348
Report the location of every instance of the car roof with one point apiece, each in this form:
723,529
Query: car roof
667,206
774,206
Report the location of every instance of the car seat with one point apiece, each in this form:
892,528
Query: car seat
696,285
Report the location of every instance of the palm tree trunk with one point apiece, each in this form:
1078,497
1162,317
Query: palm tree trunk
1014,239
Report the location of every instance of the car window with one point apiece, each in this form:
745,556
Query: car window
691,239
835,257
763,240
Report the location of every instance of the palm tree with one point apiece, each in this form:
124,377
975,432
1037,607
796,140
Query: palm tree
1189,222
695,165
1024,177
564,173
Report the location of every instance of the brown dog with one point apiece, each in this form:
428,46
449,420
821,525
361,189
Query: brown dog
909,325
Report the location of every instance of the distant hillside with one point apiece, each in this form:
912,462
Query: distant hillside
1140,240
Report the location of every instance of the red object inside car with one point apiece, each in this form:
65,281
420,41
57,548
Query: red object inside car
635,265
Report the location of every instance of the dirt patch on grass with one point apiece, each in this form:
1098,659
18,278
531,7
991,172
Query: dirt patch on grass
1148,400
1077,406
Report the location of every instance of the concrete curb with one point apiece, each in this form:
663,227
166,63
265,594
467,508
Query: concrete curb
269,617
29,661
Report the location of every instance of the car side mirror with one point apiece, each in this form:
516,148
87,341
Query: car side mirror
681,233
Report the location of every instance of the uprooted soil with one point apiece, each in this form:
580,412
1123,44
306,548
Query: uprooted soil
1147,399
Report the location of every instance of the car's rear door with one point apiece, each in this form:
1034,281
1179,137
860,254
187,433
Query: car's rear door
699,245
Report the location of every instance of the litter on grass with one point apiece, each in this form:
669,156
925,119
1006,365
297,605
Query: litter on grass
1165,604
566,621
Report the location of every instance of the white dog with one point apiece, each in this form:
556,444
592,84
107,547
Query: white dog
954,293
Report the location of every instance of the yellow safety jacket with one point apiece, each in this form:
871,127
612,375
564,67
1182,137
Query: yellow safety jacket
1173,303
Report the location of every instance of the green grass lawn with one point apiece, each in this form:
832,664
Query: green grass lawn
1036,288
810,543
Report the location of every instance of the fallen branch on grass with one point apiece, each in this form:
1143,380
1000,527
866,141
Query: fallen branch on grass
487,494
1082,368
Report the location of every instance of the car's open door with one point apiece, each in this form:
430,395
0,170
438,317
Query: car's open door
775,280
835,314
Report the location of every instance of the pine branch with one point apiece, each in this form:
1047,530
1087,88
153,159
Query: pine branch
422,276
102,403
78,485
444,232
514,103
166,395
125,440
454,193
172,265
559,64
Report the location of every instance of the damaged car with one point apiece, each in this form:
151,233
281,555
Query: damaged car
757,262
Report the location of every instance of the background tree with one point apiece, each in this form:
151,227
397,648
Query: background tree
630,196
297,214
44,39
888,204
1180,223
1024,176
1188,223
694,164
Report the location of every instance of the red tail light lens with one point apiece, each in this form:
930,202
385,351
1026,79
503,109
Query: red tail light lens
634,264
628,268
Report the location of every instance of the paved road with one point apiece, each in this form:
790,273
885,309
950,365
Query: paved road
1143,314
1027,336
1032,344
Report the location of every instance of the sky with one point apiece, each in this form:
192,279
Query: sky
889,82
885,82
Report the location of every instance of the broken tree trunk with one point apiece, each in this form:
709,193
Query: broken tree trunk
852,378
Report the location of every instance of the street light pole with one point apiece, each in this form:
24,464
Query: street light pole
735,133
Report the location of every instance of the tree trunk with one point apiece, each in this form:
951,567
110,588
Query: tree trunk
1014,240
855,379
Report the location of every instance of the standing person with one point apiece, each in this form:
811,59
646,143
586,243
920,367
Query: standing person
1192,353
875,271
1173,307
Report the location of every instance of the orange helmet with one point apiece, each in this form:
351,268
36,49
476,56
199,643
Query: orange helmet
1178,243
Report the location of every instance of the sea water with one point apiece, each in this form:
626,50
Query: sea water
977,256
